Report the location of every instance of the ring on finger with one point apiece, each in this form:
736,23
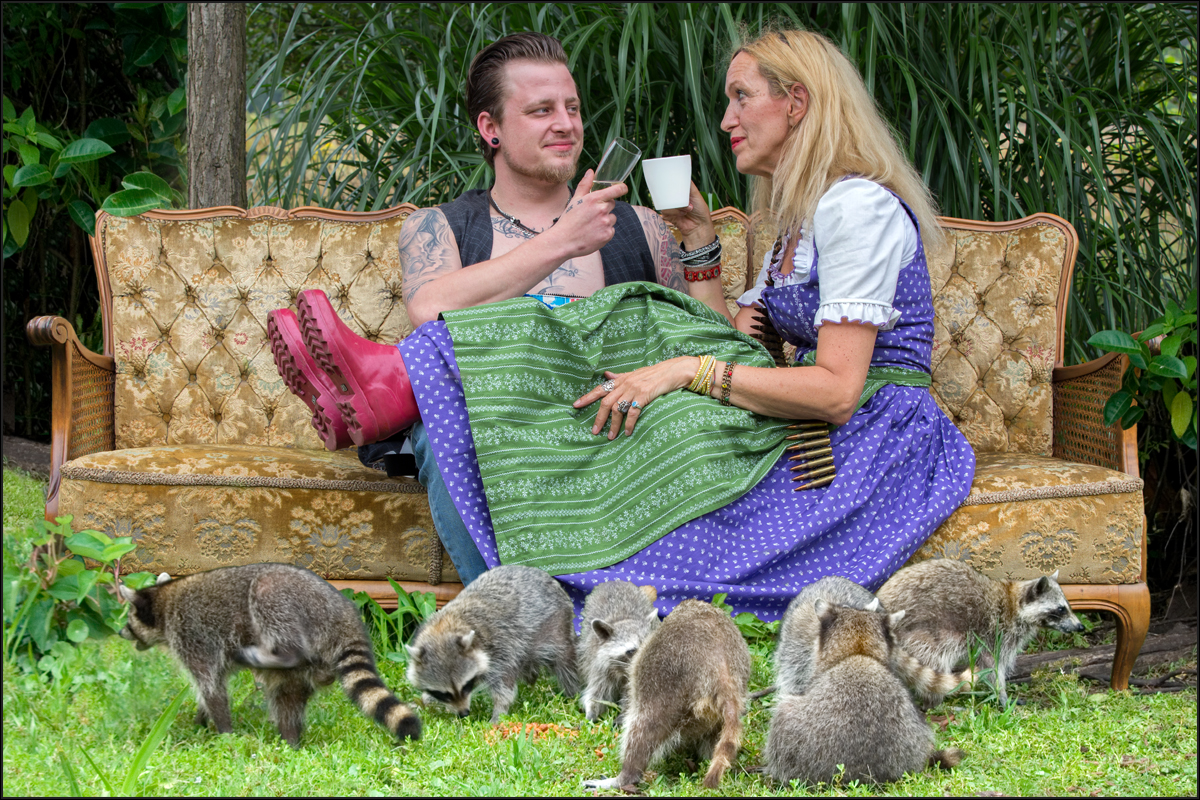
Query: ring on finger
608,385
635,404
623,406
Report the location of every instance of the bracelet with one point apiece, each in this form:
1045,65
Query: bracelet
706,387
703,275
727,383
706,364
700,251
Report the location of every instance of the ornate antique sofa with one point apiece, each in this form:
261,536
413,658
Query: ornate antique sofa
183,436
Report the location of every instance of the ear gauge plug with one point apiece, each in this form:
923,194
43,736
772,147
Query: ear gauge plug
495,141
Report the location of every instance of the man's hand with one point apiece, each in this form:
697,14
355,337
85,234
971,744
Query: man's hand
588,223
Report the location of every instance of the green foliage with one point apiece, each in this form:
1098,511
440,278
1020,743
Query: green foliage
391,629
1087,111
94,117
56,601
1169,375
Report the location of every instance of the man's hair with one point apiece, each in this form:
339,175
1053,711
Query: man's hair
485,77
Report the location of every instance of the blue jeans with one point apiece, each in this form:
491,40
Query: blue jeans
468,563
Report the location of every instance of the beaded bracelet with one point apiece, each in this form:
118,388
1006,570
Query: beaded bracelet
703,275
727,383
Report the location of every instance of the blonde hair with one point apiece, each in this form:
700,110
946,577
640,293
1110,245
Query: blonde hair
841,134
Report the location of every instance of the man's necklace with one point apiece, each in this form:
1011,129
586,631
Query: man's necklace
516,221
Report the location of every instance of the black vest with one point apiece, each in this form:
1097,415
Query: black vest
626,257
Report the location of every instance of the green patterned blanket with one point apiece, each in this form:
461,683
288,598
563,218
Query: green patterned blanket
564,500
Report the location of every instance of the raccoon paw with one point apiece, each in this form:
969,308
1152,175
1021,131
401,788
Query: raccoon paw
603,783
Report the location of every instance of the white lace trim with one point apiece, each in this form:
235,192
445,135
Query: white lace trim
881,315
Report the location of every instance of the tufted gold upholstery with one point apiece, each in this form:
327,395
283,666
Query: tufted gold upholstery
183,435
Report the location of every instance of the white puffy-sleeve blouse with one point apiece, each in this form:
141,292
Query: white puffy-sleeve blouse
863,236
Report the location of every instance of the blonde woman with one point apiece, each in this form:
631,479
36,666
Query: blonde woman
694,492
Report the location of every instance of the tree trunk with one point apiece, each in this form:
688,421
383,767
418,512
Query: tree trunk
216,104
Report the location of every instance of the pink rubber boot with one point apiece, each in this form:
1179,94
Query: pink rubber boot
305,379
374,394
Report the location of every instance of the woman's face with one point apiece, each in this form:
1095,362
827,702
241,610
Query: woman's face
757,122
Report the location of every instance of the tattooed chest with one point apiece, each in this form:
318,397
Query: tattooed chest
578,277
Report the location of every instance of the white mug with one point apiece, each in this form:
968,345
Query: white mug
669,180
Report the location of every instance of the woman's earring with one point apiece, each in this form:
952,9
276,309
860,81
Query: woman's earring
495,141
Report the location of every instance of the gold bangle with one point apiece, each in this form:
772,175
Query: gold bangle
706,364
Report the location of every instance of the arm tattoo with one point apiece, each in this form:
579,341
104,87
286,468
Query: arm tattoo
669,256
428,250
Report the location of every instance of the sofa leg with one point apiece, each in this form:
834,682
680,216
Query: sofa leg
1130,602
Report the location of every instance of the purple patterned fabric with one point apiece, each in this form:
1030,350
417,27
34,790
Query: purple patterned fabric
902,469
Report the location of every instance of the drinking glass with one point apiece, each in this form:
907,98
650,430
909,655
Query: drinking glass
618,161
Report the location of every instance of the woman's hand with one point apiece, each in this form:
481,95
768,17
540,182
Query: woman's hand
641,386
694,221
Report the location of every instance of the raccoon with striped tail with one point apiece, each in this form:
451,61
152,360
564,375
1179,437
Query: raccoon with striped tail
951,606
856,714
617,619
292,629
687,690
795,656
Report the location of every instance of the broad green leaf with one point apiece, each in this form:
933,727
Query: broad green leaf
26,120
1130,417
10,174
1170,345
41,615
84,150
1181,413
77,631
179,49
1190,363
70,566
1156,329
139,580
65,588
150,182
1117,405
177,101
47,140
83,215
88,544
147,49
176,13
18,222
1168,366
29,154
10,113
1169,390
109,130
1115,342
61,169
87,580
30,199
130,202
115,551
31,175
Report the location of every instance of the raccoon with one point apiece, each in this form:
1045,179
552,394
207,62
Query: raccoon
503,627
949,604
794,654
289,627
856,714
687,689
617,618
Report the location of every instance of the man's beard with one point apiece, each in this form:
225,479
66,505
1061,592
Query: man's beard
560,172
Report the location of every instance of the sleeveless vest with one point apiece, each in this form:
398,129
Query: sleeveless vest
626,257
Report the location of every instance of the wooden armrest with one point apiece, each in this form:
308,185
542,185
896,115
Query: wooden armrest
81,417
1080,434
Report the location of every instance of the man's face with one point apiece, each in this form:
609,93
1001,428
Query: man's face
541,134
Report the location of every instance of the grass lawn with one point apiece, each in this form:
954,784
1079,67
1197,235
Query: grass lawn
1063,741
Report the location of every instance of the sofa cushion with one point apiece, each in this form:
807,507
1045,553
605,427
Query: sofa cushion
1030,515
195,507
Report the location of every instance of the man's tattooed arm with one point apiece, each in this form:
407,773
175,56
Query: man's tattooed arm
428,250
664,248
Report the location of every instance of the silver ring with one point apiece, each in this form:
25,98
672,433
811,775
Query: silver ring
623,406
608,385
635,404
